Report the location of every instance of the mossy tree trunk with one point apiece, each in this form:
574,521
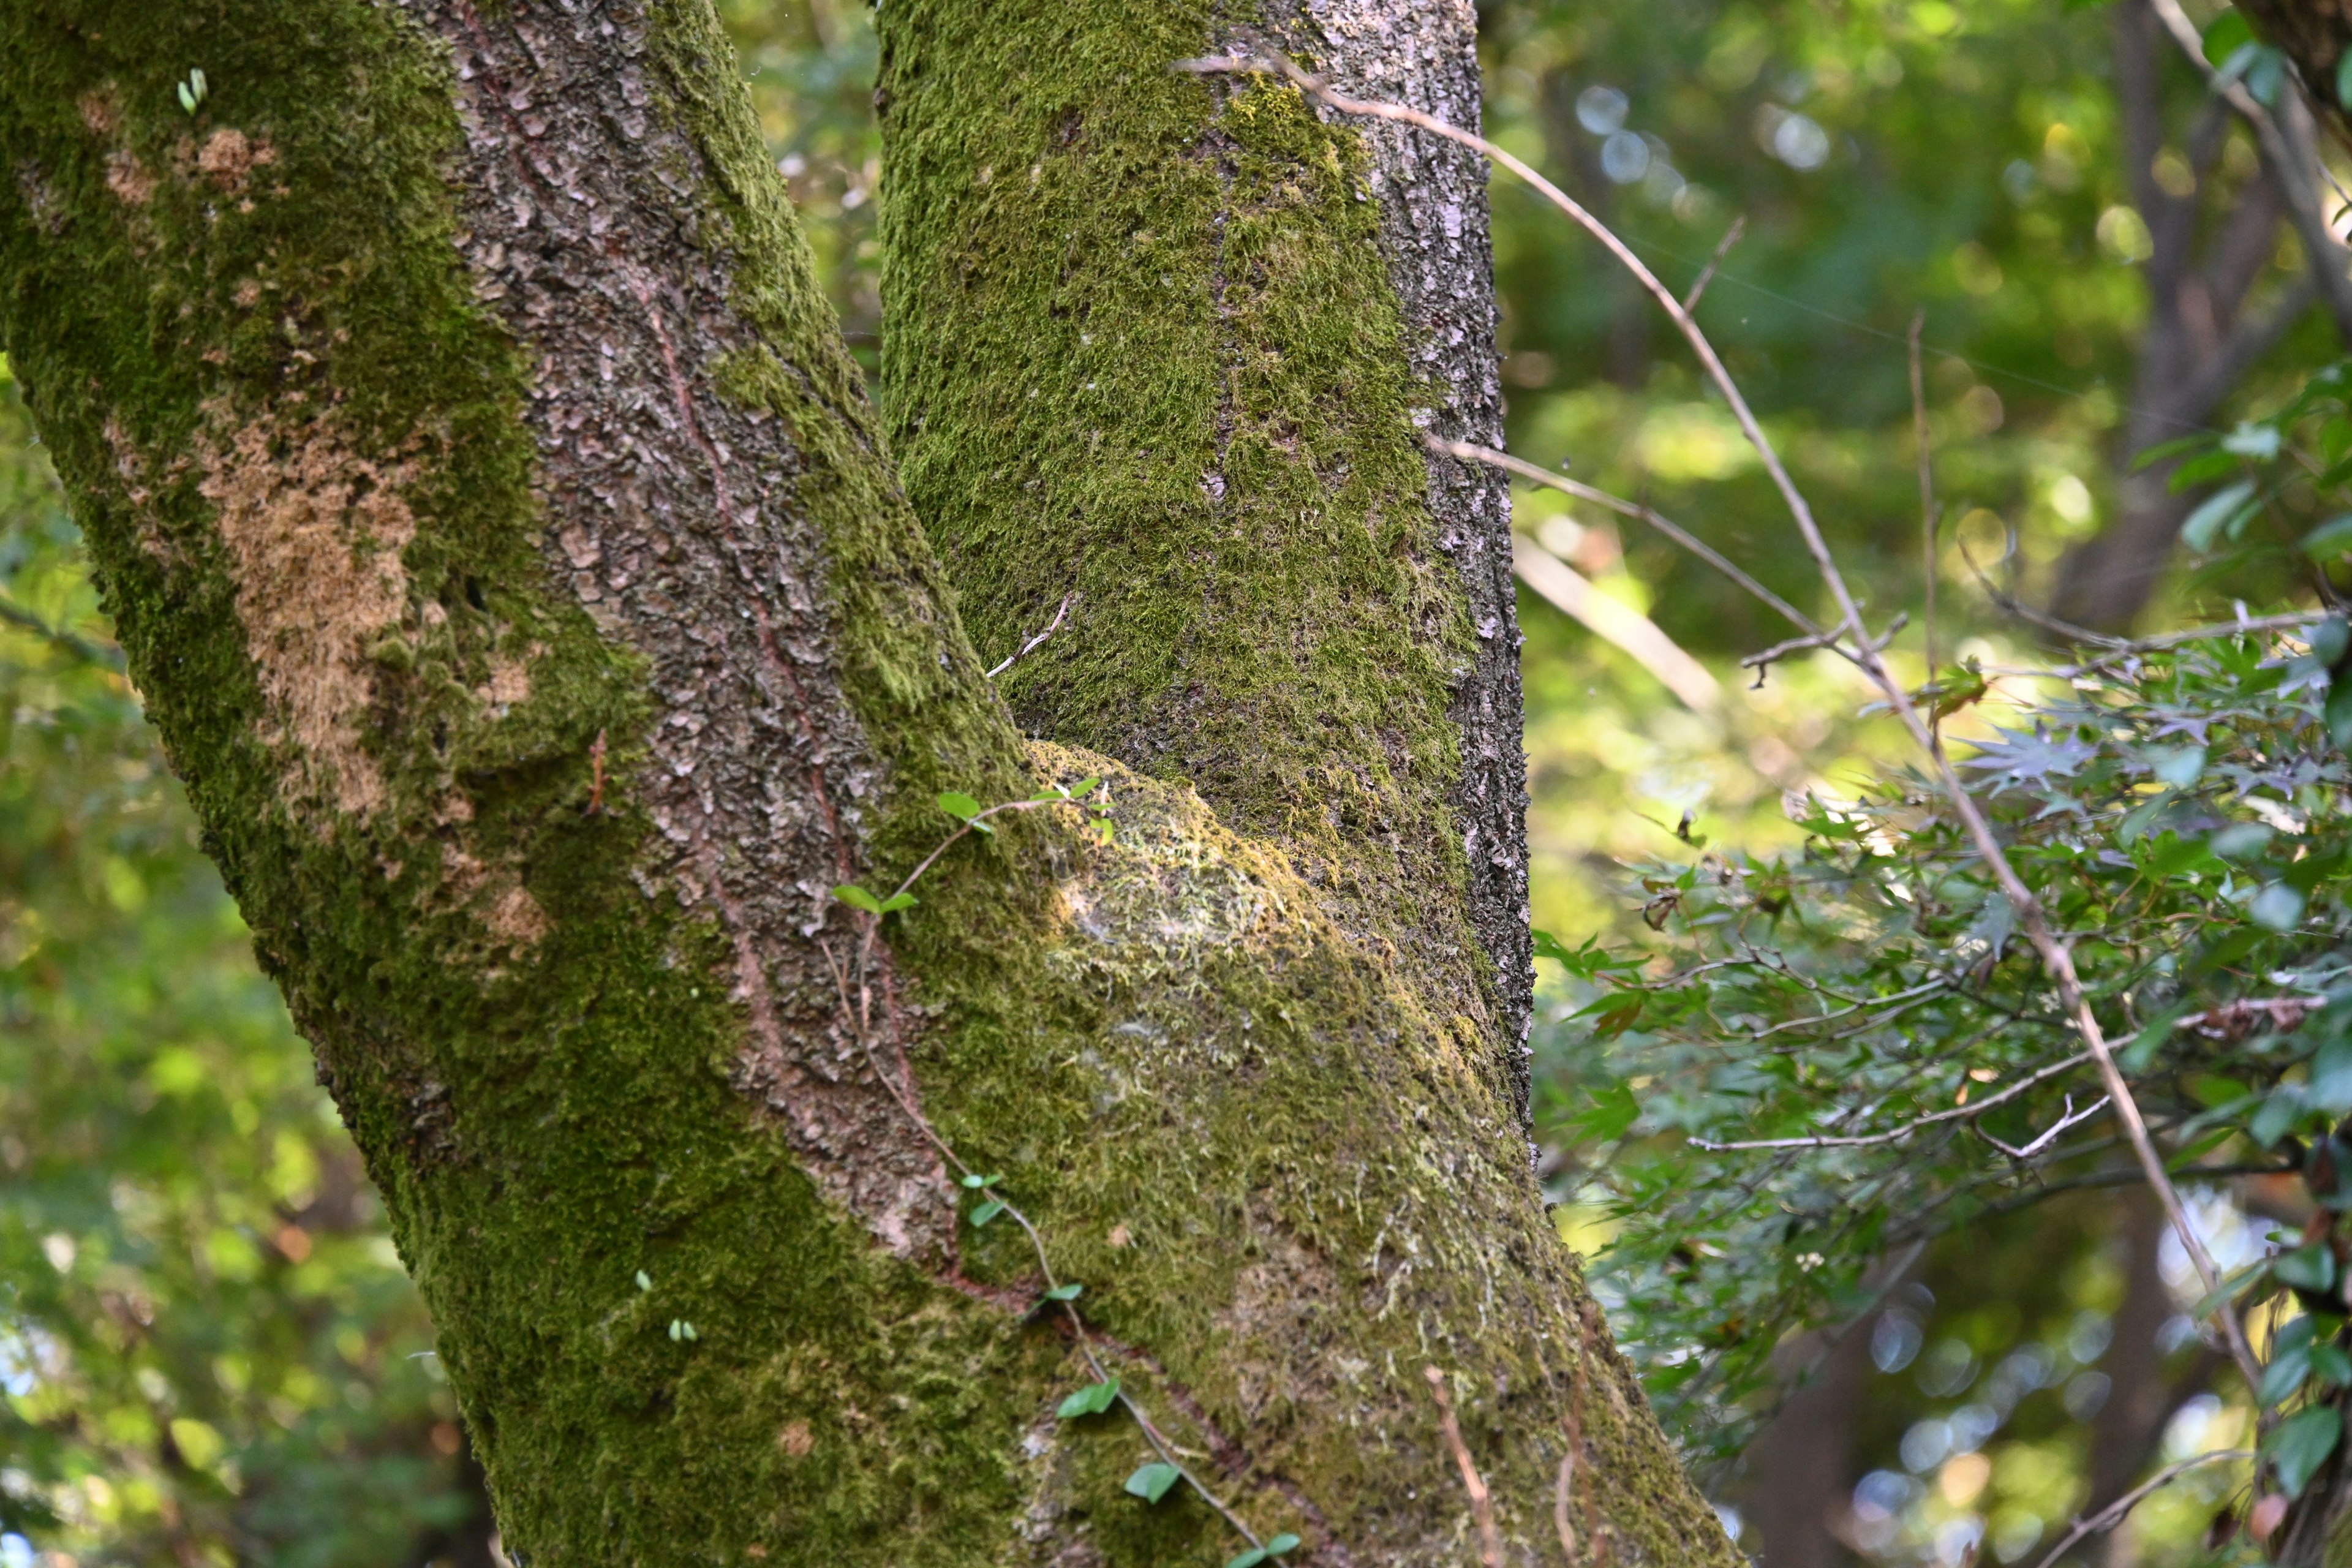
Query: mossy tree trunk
522,584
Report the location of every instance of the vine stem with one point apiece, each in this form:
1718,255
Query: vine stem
860,1012
1482,1500
2057,962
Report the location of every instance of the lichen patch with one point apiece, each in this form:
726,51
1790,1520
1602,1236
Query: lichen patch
313,533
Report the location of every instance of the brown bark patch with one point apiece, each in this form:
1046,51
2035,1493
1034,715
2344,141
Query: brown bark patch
100,112
510,682
228,158
130,181
313,533
495,895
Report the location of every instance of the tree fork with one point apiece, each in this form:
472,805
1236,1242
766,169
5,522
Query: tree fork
498,530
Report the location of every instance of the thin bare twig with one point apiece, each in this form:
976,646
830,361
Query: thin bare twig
1560,1495
2056,960
2112,1514
1722,248
1036,642
1534,474
1897,1135
1761,662
2069,1118
1928,516
1482,1502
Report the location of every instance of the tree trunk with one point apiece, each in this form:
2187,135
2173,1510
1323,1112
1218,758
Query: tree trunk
518,577
2129,1431
2199,341
1801,1465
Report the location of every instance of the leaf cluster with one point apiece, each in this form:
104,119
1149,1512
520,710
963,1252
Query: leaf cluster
1831,1056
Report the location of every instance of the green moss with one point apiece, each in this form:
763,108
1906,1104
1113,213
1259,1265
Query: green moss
1143,349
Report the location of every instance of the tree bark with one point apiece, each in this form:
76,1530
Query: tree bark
1163,354
519,579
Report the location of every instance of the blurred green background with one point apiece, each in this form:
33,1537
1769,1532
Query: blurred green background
208,1351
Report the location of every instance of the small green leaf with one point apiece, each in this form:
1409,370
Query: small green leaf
677,1329
895,902
2338,713
2228,35
1085,786
2309,1268
2329,1089
2299,1445
2213,1091
957,803
2334,537
2223,508
645,1280
1091,1400
857,898
2177,766
1550,946
1066,1292
2331,1365
2240,841
2276,907
2284,1375
2226,1291
1250,1559
187,98
982,1213
2331,636
1282,1545
976,1183
687,1329
2260,442
1614,1109
1151,1482
2278,1115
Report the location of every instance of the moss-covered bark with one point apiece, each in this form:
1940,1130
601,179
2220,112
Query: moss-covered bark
1166,348
499,533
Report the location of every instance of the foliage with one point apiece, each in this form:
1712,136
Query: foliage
210,1353
1861,1015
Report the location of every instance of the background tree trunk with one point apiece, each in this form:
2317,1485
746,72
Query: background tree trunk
2203,336
509,555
